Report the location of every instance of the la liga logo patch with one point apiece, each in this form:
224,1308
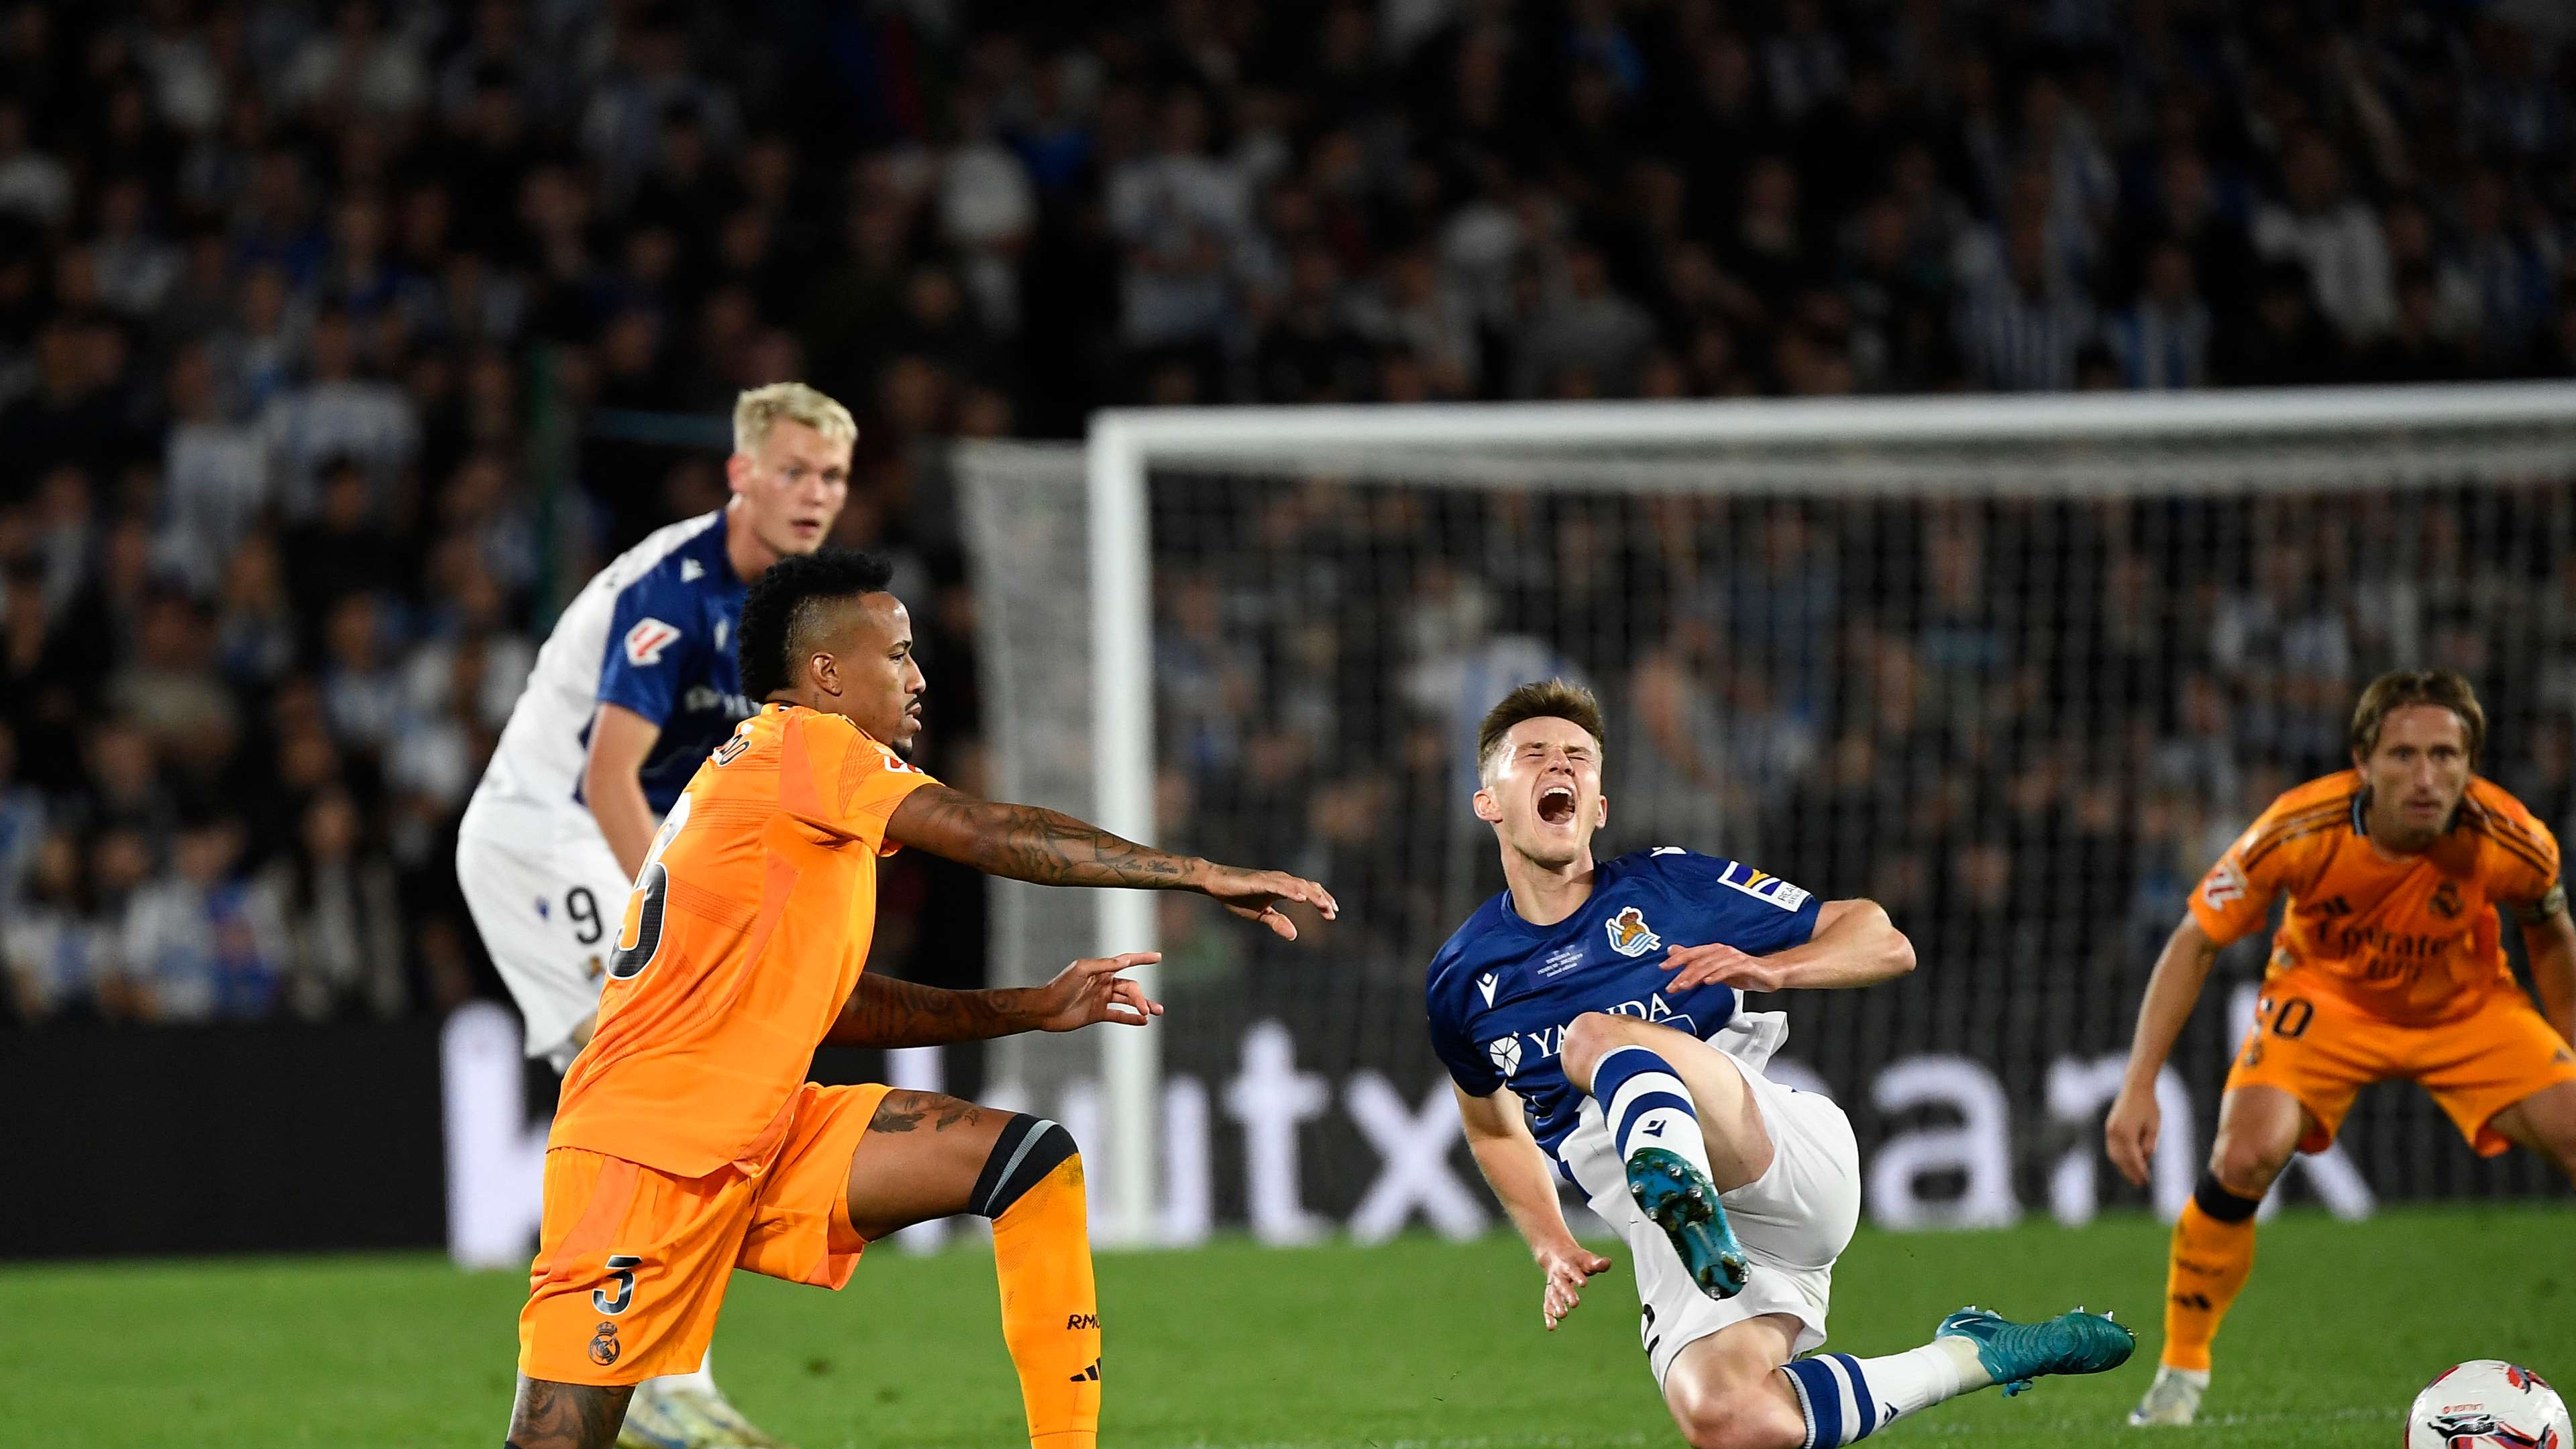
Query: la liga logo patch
2225,885
1762,887
646,641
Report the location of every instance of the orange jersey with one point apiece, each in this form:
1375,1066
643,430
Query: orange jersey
746,932
2408,939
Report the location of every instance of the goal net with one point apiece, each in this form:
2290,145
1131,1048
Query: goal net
2019,670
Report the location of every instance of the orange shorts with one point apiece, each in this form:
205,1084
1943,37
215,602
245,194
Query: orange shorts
2313,1045
632,1262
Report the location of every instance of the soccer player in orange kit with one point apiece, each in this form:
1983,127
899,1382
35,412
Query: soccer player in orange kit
2388,963
688,1142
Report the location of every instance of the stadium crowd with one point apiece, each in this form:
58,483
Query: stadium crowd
339,341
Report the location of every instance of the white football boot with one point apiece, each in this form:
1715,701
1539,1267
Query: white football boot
2174,1398
687,1416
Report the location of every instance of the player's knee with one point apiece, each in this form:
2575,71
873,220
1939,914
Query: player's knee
2246,1166
1588,1038
1737,1414
1026,1151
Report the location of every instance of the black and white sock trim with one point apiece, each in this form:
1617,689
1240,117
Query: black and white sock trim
1028,1149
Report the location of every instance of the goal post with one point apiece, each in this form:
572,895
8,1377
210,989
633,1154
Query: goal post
1122,713
1915,455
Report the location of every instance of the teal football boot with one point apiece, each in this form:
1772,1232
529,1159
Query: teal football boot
1677,1198
2016,1353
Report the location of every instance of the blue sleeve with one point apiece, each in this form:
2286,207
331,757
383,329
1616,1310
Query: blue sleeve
1745,907
1470,1068
651,647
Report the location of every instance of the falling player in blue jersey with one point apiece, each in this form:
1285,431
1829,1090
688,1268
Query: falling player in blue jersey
1590,1021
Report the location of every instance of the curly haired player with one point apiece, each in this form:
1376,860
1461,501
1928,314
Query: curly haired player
688,1142
635,684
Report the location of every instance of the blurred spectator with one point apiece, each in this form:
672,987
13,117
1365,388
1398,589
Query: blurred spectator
54,947
136,268
2335,235
33,185
200,941
1180,213
362,693
2022,324
22,821
255,635
168,686
2513,268
2281,341
340,918
2416,349
342,550
2162,339
337,417
215,473
1585,342
358,70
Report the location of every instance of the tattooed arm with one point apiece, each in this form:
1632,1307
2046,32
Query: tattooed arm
1028,842
884,1012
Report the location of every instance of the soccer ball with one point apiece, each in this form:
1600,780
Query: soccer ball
2487,1403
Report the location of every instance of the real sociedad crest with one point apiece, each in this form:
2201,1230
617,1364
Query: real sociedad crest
1629,934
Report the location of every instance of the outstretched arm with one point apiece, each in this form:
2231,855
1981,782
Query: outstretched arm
1854,944
2182,968
1517,1170
1032,843
885,1012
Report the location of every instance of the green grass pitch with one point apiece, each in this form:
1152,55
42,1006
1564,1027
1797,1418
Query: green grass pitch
1415,1343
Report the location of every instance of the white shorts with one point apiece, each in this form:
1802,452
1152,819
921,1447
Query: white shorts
547,897
1794,1220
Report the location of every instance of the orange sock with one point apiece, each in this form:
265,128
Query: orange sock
1050,1308
2213,1252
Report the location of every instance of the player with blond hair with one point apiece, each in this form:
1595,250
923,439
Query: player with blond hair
2388,963
689,1143
636,683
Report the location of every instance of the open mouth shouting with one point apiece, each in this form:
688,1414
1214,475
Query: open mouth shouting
1556,805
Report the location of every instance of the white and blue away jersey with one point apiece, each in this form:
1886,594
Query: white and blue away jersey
653,632
1503,991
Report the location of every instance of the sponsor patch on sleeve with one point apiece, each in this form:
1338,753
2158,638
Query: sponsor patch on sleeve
646,642
2226,885
1763,887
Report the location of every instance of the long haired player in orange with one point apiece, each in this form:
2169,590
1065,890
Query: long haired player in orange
2389,963
688,1142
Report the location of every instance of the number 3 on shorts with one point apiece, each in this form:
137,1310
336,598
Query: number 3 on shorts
621,1270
